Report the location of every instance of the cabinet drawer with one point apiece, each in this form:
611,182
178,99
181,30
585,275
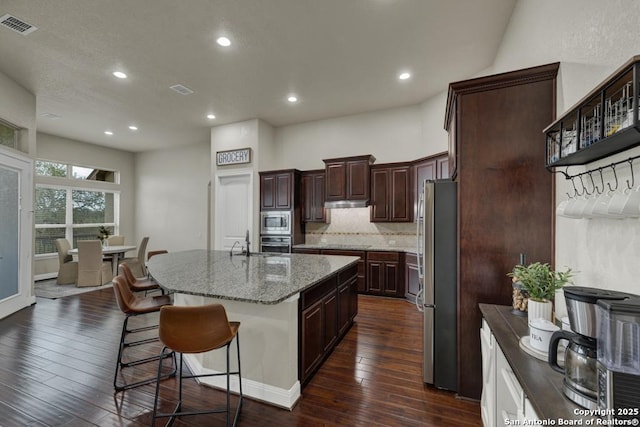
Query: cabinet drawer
383,256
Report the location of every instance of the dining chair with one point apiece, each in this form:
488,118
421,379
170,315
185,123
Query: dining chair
115,240
68,270
194,330
136,264
92,269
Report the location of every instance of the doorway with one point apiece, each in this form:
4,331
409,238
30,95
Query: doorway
233,208
16,231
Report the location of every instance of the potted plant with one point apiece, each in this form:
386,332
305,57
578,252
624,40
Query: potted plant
540,283
103,234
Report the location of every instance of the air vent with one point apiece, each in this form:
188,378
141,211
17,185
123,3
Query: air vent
17,25
182,90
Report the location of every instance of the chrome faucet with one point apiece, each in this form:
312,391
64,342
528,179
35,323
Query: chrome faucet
232,247
248,243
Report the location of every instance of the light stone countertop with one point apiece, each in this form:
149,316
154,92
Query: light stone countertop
262,278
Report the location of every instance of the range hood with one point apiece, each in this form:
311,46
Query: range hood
342,204
347,182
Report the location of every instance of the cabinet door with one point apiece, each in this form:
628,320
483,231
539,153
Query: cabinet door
375,277
442,168
392,284
267,192
344,303
336,181
312,337
307,195
330,317
400,195
284,191
358,180
354,286
411,274
379,195
319,212
488,397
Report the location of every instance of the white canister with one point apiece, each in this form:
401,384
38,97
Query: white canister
540,331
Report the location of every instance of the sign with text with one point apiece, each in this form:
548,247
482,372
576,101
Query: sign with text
233,157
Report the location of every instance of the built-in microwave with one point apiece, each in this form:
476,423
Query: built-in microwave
275,222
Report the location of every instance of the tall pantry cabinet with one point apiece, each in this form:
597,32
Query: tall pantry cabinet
505,194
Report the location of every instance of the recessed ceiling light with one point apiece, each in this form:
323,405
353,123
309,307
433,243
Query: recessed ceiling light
404,76
120,74
108,132
223,41
292,98
211,116
133,127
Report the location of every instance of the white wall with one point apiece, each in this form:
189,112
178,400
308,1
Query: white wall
171,188
18,107
392,135
590,38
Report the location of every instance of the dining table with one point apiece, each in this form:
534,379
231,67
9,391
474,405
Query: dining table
115,251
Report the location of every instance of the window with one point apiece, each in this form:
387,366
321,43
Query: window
8,135
66,208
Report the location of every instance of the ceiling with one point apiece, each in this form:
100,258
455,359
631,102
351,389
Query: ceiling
340,57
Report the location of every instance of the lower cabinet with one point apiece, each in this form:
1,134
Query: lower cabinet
362,270
411,277
385,273
327,311
502,395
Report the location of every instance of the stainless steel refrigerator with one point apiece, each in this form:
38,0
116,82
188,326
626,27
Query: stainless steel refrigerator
438,294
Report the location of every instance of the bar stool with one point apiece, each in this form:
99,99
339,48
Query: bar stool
136,284
132,305
192,330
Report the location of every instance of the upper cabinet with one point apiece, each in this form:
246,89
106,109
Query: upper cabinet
391,199
313,189
603,123
347,179
278,189
432,167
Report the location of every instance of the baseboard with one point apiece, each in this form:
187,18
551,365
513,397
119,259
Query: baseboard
264,392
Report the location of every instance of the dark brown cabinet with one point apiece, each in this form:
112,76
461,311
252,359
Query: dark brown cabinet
498,157
411,276
348,178
385,273
313,188
278,189
327,311
362,268
391,193
432,167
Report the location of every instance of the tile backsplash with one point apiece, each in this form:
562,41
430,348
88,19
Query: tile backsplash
352,226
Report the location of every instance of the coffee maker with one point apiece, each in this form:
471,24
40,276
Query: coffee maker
618,335
580,369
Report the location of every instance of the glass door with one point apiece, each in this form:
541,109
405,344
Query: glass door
16,200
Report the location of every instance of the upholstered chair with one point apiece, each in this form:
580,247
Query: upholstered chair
92,270
115,240
136,264
68,270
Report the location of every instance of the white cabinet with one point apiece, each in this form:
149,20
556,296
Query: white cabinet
502,395
488,399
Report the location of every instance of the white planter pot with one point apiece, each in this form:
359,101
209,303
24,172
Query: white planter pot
540,310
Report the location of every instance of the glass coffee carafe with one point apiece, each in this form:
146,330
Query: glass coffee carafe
580,367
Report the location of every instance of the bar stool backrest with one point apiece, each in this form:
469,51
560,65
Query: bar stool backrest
195,329
124,296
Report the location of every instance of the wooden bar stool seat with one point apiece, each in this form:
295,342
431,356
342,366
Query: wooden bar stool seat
132,305
192,330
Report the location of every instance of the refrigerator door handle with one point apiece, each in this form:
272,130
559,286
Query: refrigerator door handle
420,238
420,300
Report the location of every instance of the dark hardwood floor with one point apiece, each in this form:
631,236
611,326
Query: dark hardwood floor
57,360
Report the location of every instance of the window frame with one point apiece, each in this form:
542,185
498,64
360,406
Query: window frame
69,184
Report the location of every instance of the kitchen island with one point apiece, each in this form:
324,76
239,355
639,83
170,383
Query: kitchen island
293,310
